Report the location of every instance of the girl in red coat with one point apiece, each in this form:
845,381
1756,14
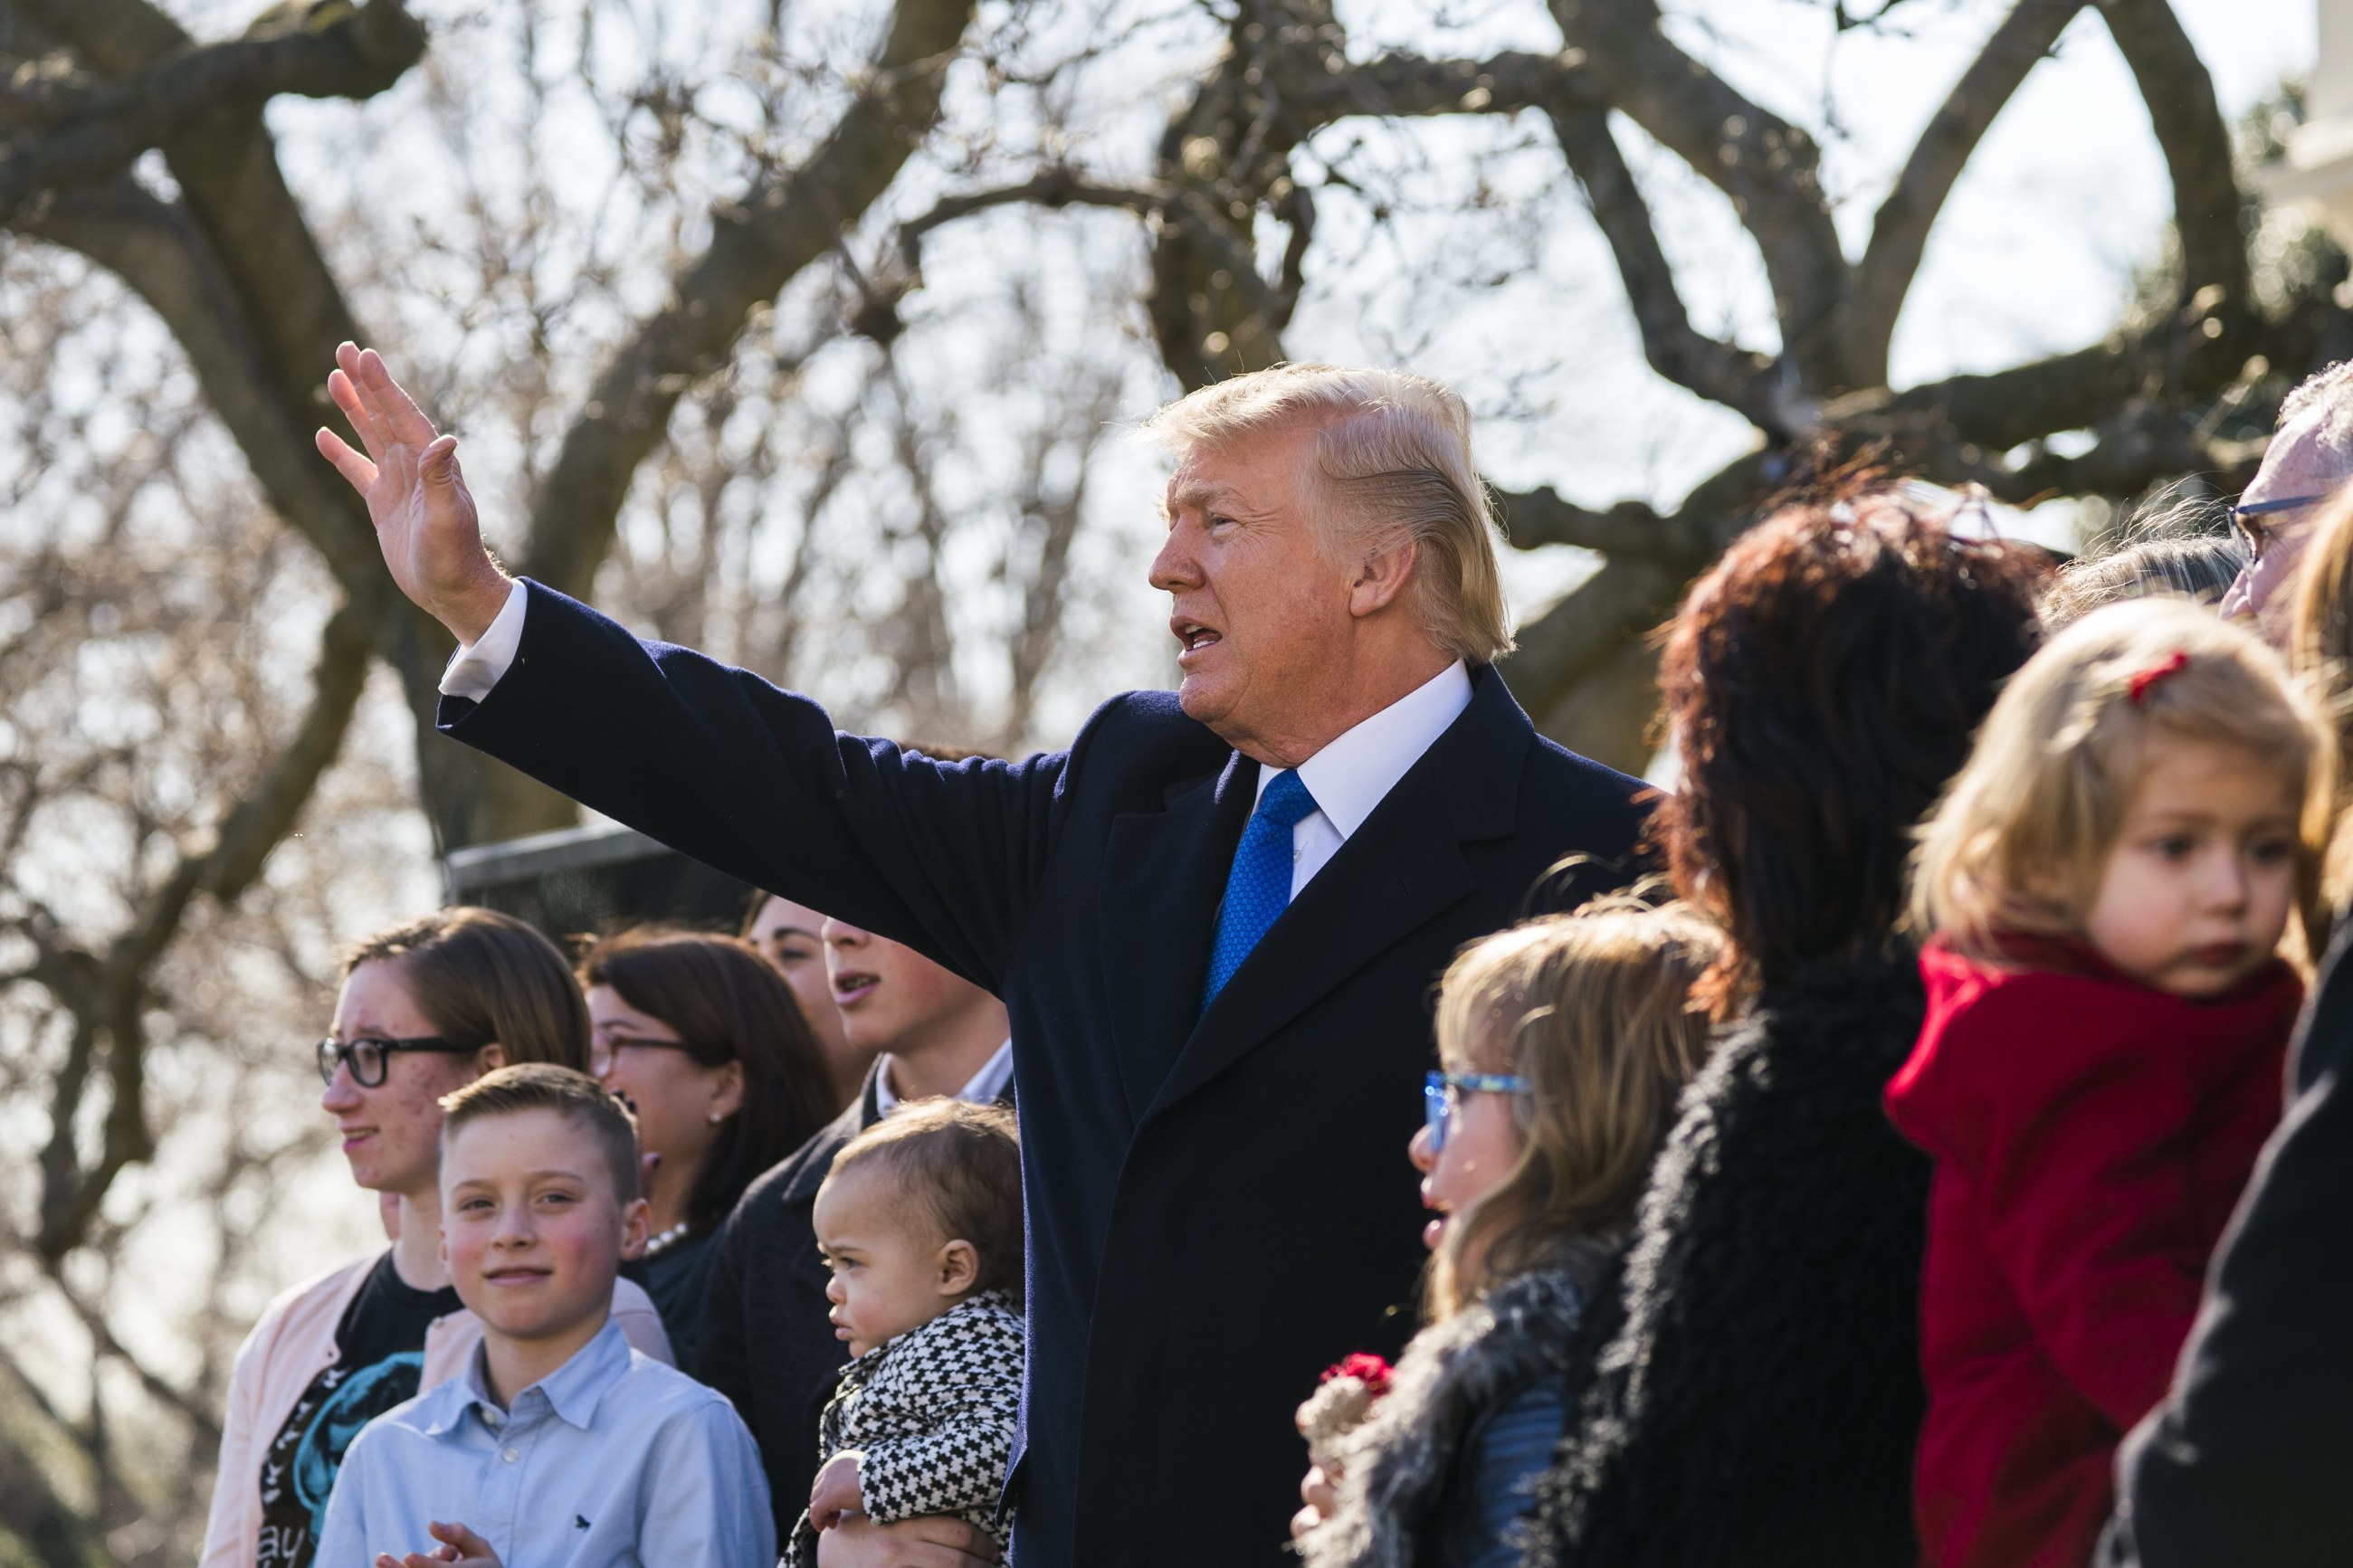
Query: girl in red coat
2109,879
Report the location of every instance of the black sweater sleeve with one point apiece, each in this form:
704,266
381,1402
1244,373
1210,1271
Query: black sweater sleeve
754,781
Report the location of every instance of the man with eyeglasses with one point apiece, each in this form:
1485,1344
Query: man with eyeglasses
2310,456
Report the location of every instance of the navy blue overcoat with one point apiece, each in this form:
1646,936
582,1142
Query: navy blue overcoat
1218,1202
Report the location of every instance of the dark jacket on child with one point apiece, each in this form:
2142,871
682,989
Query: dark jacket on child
1758,1390
1409,1486
932,1413
766,1342
2091,1135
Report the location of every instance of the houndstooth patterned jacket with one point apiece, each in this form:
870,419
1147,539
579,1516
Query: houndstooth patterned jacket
932,1414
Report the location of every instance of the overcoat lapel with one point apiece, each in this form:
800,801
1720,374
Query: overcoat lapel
1164,873
1403,868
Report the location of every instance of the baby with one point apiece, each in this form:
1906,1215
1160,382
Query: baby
920,1221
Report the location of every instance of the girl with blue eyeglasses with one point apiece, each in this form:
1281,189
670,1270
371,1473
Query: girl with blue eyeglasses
1563,1045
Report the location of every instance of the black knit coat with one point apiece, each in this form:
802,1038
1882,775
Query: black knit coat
1755,1394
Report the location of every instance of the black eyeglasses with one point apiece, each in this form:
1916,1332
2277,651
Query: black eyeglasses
2251,535
368,1058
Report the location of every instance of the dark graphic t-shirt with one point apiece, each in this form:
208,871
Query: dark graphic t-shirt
675,1278
381,1341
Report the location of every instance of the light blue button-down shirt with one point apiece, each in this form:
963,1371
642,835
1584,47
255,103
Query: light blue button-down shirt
613,1460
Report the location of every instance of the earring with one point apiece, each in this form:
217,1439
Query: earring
716,1119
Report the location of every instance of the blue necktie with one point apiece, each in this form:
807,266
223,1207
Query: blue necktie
1259,886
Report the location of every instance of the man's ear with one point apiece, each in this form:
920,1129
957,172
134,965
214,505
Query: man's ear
959,1267
633,1229
1381,576
728,1097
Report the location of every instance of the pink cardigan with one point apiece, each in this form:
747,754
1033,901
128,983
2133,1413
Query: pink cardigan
293,1343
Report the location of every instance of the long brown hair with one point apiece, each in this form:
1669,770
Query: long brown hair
1595,1010
727,1004
1822,682
483,978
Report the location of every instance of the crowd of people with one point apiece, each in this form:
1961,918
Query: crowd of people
1314,1099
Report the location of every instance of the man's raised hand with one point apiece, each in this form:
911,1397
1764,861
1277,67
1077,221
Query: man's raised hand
425,520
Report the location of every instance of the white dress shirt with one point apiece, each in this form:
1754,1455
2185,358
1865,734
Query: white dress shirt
985,1087
1348,778
1356,771
478,665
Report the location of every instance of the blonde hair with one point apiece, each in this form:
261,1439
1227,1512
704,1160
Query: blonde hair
1595,1010
2320,651
2021,838
1388,464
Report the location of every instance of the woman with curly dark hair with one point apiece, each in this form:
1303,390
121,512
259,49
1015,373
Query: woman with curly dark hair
1751,1392
706,1043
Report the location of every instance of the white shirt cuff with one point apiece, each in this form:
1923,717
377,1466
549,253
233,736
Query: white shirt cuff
477,665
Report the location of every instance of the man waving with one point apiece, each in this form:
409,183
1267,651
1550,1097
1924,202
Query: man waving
1214,919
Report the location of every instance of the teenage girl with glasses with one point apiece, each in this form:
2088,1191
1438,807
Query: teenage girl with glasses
1563,1045
424,1008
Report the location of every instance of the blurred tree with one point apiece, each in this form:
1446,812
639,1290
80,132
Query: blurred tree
680,272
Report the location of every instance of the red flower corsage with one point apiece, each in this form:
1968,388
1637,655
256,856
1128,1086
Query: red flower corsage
1370,1370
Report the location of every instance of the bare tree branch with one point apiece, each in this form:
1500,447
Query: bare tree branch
2179,95
96,127
108,994
1053,188
1588,627
756,247
1766,166
1899,232
1755,385
1631,530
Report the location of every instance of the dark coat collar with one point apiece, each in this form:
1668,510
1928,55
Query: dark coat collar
1166,872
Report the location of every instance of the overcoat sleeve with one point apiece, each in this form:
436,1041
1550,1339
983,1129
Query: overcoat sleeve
2247,1460
754,781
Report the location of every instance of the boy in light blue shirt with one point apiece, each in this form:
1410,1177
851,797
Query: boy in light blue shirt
560,1446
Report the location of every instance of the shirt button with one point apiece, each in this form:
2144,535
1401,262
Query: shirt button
512,1456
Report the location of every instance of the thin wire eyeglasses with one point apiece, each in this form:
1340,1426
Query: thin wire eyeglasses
603,1050
2254,536
369,1059
1441,1095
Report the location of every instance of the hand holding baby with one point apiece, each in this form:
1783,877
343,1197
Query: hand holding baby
835,1493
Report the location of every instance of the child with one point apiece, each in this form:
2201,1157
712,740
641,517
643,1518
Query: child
559,1446
920,1221
1565,1044
2109,880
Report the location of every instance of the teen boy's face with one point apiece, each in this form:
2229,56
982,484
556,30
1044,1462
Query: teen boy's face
531,1231
890,1274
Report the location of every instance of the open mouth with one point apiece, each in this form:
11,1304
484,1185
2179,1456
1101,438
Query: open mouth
850,987
1193,637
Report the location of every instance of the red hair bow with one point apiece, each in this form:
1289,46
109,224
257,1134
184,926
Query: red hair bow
2141,684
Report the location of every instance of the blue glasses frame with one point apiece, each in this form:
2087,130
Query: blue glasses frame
1440,1091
